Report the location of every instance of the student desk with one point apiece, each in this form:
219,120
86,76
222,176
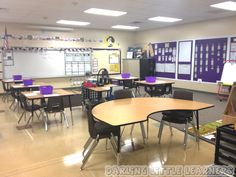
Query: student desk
153,85
35,95
134,110
8,82
106,88
125,81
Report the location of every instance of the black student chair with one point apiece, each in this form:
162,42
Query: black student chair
55,105
179,117
98,130
127,93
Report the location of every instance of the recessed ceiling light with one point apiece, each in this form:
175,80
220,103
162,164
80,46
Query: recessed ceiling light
74,23
228,5
105,12
164,19
125,27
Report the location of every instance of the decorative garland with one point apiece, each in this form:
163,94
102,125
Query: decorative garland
49,38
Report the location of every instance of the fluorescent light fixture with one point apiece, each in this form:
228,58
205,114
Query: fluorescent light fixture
49,28
228,5
105,12
74,23
164,19
125,27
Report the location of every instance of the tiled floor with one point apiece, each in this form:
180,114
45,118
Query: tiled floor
57,153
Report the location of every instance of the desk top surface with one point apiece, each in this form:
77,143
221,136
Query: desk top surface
102,88
120,78
57,92
158,82
11,81
18,86
132,110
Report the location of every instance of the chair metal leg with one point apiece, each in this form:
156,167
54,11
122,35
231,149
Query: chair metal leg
143,132
88,142
131,132
171,131
65,119
30,118
147,128
160,131
195,131
46,122
86,157
24,113
186,135
122,131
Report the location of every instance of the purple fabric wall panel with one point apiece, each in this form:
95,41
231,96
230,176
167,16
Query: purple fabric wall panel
210,55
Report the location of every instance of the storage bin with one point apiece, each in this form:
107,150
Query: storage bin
47,89
150,79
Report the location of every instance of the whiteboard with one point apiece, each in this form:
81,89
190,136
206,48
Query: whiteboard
229,73
37,64
51,63
185,51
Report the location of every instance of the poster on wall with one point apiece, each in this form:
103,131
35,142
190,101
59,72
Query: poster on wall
185,60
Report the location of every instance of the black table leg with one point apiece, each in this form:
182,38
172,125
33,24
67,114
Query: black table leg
197,119
70,104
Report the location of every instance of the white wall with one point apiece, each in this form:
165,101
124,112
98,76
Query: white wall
213,28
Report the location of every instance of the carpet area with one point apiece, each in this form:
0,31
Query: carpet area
207,131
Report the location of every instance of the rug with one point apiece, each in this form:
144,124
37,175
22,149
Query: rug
207,131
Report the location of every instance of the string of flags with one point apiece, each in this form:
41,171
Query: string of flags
45,49
48,38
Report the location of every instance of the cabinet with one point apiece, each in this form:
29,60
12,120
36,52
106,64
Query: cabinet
147,68
225,150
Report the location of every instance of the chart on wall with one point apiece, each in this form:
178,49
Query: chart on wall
185,59
77,63
165,58
209,58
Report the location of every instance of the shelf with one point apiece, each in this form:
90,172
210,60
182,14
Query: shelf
225,150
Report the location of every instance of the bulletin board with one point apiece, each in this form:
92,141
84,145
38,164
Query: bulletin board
209,58
185,59
165,59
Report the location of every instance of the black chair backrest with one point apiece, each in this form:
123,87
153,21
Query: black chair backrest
183,94
4,86
125,93
23,102
91,121
55,104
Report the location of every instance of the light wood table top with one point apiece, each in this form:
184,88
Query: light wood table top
133,110
104,88
11,81
31,95
158,82
19,86
119,78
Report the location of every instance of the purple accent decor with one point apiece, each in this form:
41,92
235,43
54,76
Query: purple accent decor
17,77
209,59
125,75
27,82
150,79
47,89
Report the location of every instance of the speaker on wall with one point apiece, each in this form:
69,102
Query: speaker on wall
147,68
